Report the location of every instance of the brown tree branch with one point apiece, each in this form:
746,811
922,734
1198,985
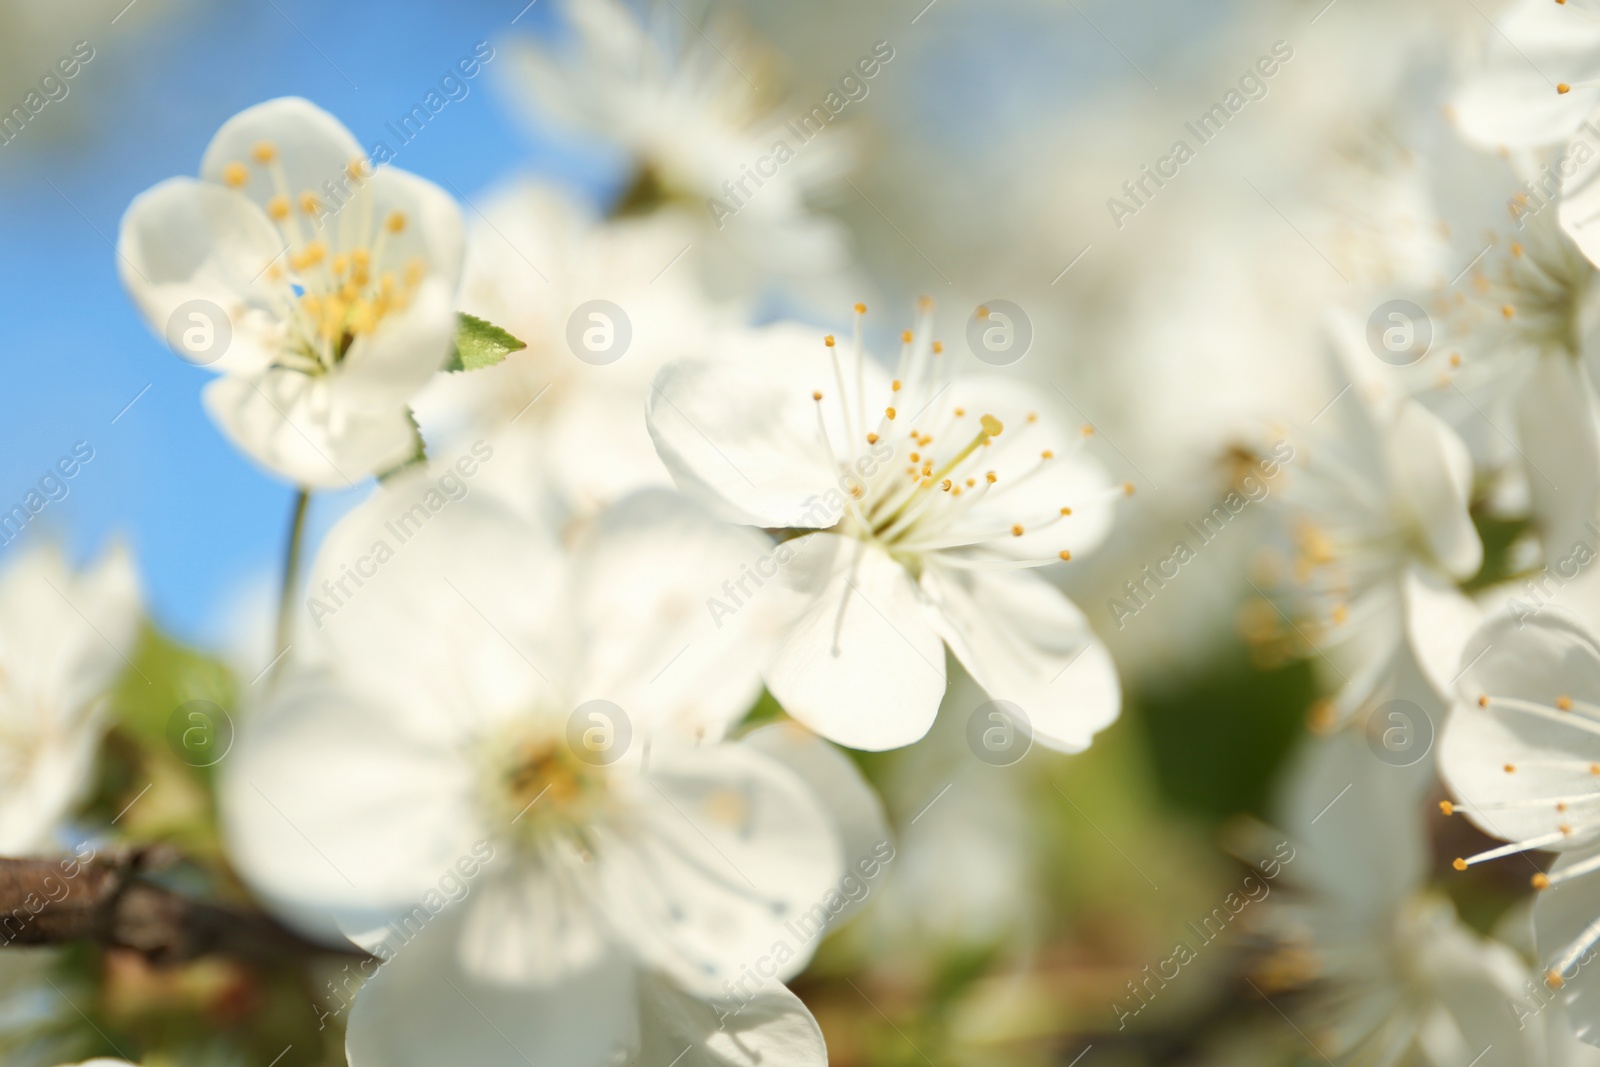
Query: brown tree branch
105,901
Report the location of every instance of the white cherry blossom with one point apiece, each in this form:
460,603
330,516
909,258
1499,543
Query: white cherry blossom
921,506
319,286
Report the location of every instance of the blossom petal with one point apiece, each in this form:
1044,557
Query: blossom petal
1556,427
334,815
1433,476
185,240
1440,620
862,663
1514,103
384,370
771,1029
1563,919
1026,643
421,1010
732,854
1513,759
663,639
286,422
310,147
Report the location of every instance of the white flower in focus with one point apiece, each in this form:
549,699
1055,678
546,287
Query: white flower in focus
1522,754
1525,335
63,638
560,414
695,124
1540,78
452,719
335,280
1377,508
1396,976
921,504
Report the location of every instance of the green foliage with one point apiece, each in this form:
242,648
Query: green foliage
480,344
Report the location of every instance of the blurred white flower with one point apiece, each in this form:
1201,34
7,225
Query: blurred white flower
64,637
1539,79
483,697
564,415
1521,342
920,504
1522,754
321,288
696,125
1397,976
1376,501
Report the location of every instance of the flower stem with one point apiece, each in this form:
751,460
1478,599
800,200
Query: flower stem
291,568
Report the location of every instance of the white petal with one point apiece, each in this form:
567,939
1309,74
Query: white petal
1440,620
1518,664
288,423
862,664
662,638
421,1010
442,598
858,815
1563,916
1514,103
771,1029
1556,428
1433,477
743,437
185,240
384,370
332,813
1026,643
535,923
312,147
727,854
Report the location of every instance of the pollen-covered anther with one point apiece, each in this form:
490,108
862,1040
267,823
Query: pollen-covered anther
1066,511
938,348
357,169
278,208
1446,808
1455,359
894,386
946,484
982,312
905,336
991,477
1511,768
1540,881
1507,311
1017,531
915,457
861,309
816,395
961,412
1551,978
1483,701
1047,454
872,438
1065,554
235,175
1564,703
828,340
395,223
309,203
1127,488
1562,87
1459,864
888,413
264,152
992,426
1087,430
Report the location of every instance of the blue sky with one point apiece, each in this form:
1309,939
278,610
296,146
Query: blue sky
201,520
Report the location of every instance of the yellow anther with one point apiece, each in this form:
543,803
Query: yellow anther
1016,531
341,263
1483,700
1564,703
991,477
1562,87
991,425
235,174
1459,864
938,347
357,169
828,340
817,395
1446,807
960,412
1551,978
264,151
278,208
1066,511
309,203
1127,488
395,223
872,438
1047,454
1033,416
889,413
1507,311
905,336
946,484
894,386
1511,768
1065,554
861,309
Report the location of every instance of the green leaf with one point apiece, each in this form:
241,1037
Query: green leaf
480,344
